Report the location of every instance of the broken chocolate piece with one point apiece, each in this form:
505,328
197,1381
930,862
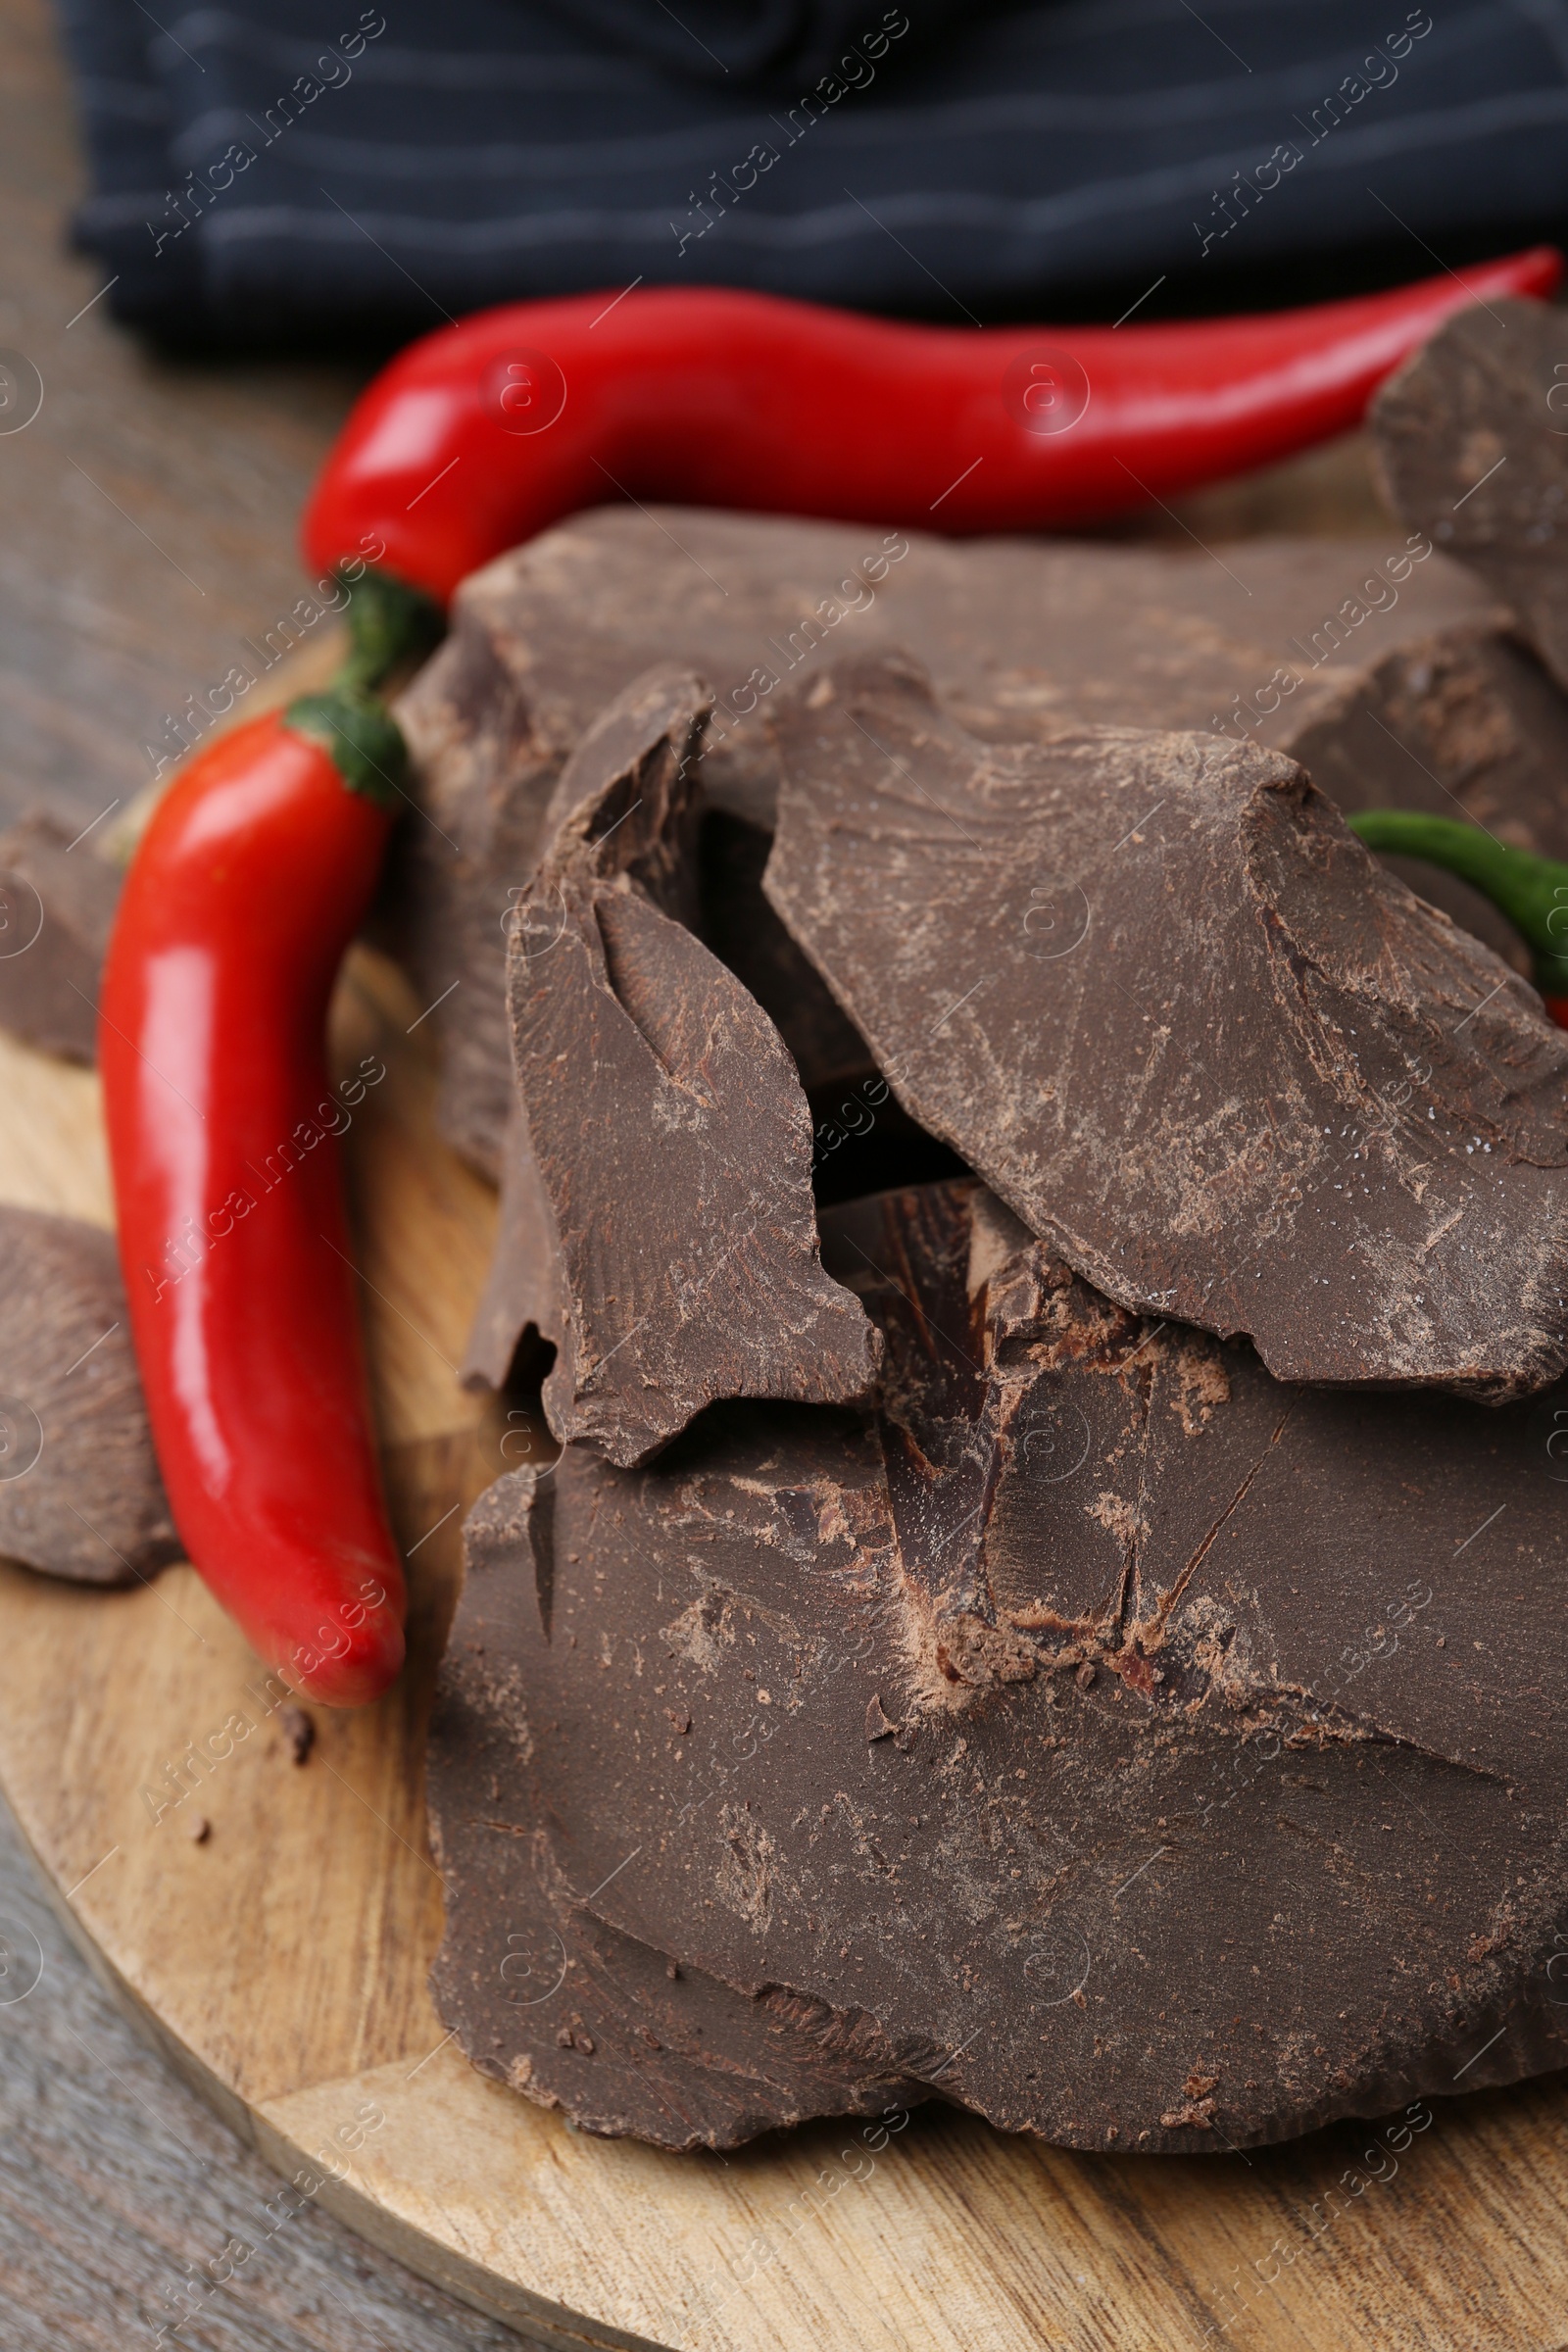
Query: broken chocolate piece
1471,443
1263,1868
685,2061
79,1491
57,904
1155,993
527,1974
1021,637
665,1119
522,1290
488,759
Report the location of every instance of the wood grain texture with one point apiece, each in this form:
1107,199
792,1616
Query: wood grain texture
117,2183
281,1963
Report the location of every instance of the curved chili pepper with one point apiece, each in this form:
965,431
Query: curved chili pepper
491,430
250,880
1531,891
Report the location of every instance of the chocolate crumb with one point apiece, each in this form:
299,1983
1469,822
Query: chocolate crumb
299,1732
878,1726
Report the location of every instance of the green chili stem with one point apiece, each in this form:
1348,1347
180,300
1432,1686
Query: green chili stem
391,626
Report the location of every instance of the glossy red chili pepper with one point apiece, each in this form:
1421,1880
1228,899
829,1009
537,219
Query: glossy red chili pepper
493,429
1531,891
249,883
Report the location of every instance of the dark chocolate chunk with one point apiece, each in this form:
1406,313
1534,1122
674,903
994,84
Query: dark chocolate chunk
527,1974
1156,993
522,1290
862,1139
1290,1850
486,754
1021,636
57,903
1471,442
664,1116
79,1491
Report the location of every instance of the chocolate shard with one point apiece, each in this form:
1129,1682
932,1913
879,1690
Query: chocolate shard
1471,443
79,1491
1021,636
1233,1808
57,903
487,756
1155,993
522,1290
672,1138
545,1997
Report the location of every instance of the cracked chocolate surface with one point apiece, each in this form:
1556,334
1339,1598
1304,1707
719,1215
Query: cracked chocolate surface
1152,990
523,1286
1471,441
1021,636
559,2004
665,1119
1101,1736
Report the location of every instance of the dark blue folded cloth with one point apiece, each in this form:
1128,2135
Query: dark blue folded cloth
286,167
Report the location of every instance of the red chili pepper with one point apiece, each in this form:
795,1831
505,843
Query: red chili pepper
223,1123
1531,891
491,430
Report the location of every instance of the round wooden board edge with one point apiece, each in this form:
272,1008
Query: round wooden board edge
532,2317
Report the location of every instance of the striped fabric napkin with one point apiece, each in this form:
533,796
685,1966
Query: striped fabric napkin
282,169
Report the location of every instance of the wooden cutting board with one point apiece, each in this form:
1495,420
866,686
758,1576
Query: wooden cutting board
281,1961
